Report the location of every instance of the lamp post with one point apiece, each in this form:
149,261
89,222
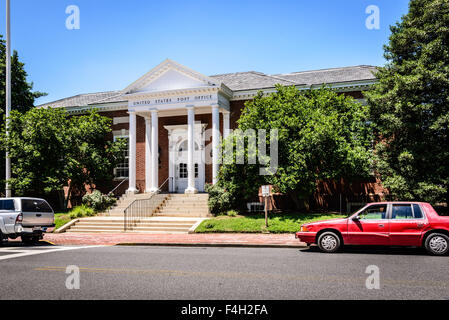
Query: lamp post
8,92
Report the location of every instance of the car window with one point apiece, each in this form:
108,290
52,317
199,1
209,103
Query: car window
417,211
402,211
32,205
374,212
7,205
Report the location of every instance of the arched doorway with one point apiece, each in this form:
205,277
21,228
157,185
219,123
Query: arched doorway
178,158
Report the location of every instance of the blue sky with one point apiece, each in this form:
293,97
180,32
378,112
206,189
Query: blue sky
118,41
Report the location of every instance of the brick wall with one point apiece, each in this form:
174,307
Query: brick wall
327,195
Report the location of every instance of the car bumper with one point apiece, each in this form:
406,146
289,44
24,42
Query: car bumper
306,237
19,229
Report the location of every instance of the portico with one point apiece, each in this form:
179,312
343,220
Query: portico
172,90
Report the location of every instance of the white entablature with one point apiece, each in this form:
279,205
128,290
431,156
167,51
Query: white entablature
172,86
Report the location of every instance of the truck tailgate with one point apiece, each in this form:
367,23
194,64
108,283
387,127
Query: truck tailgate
37,212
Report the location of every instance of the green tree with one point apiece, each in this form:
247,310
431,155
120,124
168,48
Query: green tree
92,157
409,106
22,96
321,135
50,151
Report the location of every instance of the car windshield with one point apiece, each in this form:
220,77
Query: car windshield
35,205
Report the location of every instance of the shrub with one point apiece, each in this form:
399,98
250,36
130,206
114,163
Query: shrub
81,211
208,225
98,201
219,199
232,213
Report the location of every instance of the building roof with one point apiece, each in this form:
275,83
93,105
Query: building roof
241,81
81,99
324,76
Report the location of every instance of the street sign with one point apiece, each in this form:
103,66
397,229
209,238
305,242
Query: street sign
266,194
265,191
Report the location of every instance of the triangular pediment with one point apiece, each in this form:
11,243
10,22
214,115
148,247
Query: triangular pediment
170,75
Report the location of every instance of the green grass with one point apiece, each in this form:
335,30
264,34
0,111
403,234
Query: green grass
277,223
61,219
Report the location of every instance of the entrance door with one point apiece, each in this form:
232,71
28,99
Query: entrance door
406,225
181,172
371,227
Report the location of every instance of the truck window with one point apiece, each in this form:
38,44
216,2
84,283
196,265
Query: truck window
7,205
31,205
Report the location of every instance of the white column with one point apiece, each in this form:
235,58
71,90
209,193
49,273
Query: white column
190,150
215,142
154,151
132,153
148,154
226,123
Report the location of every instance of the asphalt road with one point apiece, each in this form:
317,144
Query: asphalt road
220,273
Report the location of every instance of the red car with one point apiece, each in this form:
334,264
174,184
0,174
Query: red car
414,224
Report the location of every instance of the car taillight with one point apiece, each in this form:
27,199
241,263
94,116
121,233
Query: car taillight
19,218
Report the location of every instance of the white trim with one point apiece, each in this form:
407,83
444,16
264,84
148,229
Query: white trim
119,120
164,67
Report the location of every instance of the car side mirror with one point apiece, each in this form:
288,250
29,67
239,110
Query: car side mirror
356,218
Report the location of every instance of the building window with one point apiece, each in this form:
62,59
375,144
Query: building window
122,170
183,172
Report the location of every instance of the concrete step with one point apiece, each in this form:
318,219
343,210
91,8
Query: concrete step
183,215
107,224
187,206
168,229
97,227
184,210
94,231
165,226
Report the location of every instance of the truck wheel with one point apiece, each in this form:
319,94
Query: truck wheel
1,238
329,242
437,244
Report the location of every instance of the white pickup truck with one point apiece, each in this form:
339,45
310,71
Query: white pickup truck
28,218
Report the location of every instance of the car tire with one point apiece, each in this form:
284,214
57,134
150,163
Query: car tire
437,244
329,242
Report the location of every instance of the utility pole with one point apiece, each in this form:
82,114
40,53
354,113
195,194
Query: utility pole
8,92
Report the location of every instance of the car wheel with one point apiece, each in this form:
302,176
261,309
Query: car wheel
329,242
437,244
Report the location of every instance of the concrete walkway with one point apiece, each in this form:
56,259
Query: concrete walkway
214,239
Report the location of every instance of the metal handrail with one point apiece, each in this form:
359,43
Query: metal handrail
163,183
113,190
142,208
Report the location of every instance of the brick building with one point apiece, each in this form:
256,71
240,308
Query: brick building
173,117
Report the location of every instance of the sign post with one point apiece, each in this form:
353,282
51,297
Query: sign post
266,195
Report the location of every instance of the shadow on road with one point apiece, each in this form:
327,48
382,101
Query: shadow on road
20,244
408,251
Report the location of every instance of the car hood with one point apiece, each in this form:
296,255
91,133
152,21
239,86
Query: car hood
332,221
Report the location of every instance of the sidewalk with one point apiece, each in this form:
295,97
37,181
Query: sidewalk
212,239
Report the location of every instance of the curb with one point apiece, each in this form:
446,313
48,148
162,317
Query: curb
223,245
66,226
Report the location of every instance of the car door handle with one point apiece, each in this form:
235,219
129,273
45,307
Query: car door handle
381,225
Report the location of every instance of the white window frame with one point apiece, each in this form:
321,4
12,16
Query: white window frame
125,161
